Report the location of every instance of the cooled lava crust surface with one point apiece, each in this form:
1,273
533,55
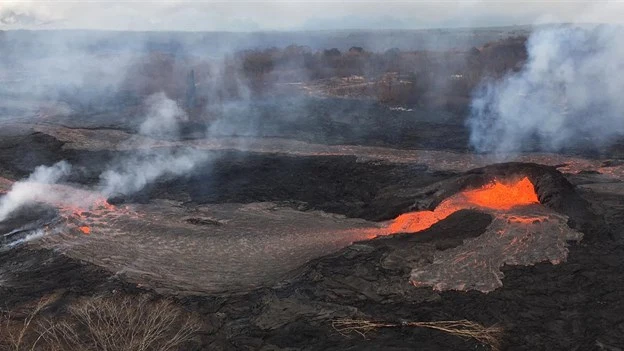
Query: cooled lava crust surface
575,304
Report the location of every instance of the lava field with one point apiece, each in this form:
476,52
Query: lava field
272,242
288,199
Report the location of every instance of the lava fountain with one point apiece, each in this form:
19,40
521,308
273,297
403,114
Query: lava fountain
495,196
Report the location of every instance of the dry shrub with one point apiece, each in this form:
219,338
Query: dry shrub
121,324
101,323
17,328
490,336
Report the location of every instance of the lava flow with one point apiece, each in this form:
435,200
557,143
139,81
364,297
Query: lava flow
80,218
495,196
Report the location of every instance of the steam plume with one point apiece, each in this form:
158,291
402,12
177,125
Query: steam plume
162,117
568,93
128,175
33,235
34,188
134,172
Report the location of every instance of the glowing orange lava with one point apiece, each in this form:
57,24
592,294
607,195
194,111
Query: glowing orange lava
494,196
80,217
102,203
499,196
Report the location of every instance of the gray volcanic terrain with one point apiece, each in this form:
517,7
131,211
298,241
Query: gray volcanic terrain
306,198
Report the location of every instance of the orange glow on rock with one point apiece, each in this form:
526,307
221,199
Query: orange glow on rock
84,216
102,203
499,196
494,196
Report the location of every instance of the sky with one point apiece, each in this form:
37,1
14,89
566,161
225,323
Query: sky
175,15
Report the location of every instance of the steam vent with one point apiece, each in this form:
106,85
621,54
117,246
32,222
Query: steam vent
308,190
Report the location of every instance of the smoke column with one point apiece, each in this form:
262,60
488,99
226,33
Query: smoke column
163,117
132,173
127,175
568,93
135,172
34,188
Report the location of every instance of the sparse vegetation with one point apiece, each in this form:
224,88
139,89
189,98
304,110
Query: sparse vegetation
490,336
18,328
394,76
101,323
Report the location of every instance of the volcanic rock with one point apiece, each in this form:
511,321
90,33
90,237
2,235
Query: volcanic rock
576,304
552,188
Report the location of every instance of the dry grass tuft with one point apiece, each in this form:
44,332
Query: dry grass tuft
490,336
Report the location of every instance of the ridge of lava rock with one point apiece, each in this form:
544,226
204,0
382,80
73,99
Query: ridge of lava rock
553,190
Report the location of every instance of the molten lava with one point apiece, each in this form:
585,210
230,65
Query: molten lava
496,196
82,218
499,196
103,204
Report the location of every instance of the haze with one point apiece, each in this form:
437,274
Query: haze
297,15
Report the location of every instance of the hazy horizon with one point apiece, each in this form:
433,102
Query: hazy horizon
271,16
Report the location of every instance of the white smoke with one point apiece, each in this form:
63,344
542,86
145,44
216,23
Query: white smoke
163,116
33,235
133,173
126,176
568,93
34,189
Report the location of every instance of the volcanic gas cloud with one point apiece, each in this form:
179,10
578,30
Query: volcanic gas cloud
496,196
